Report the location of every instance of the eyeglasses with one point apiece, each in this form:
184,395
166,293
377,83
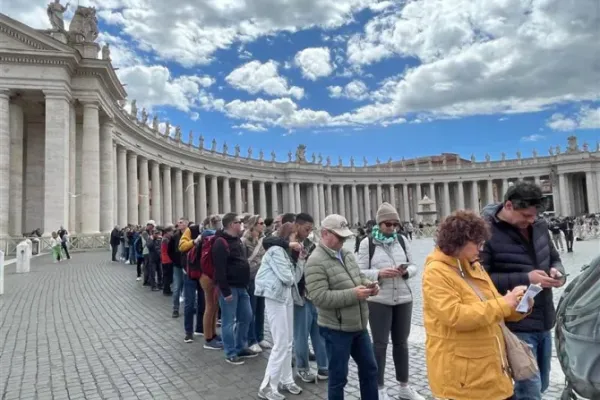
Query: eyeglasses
237,222
261,223
391,224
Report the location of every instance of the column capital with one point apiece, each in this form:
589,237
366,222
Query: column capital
108,123
121,149
89,103
54,94
132,155
166,167
5,93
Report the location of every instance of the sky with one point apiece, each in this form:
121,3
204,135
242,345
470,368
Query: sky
358,78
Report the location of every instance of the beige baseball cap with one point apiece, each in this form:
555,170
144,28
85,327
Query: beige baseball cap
337,224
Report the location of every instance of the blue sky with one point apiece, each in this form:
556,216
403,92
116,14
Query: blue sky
358,78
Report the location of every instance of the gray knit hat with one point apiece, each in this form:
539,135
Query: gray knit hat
387,212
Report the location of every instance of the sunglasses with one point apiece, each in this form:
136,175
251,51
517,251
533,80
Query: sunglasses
391,224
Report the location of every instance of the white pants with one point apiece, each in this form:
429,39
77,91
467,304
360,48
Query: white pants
281,324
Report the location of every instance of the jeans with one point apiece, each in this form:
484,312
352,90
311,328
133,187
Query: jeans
305,323
541,345
281,322
256,330
235,319
114,248
193,304
132,258
340,347
557,239
125,252
65,248
177,286
139,263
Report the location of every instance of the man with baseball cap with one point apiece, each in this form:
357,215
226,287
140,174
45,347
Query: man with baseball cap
339,291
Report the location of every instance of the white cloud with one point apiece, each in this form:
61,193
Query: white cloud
532,138
122,54
355,90
586,118
194,116
250,127
255,77
314,62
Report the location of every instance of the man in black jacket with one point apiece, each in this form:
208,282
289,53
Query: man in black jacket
232,276
520,252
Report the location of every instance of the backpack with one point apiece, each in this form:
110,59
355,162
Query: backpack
400,239
206,258
139,246
193,257
578,334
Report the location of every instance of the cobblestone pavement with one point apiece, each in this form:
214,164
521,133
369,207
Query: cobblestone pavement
85,329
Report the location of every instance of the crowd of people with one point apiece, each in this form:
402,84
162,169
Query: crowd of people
241,270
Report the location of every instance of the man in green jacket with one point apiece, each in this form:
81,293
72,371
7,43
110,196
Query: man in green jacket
339,291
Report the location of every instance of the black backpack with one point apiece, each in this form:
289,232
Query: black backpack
400,239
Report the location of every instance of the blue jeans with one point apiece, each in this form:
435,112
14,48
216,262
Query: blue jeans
541,345
235,319
177,286
193,304
132,257
256,330
305,323
340,347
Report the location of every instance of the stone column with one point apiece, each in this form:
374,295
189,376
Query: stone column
490,191
447,210
167,192
73,204
190,193
73,200
239,206
5,162
475,196
563,189
432,195
341,201
15,210
132,189
590,184
322,213
329,208
250,196
178,193
354,205
538,180
202,213
106,177
379,196
367,195
315,201
274,200
122,184
226,195
262,199
504,188
298,198
291,197
56,167
90,184
461,195
405,201
156,193
393,195
144,191
214,195
419,194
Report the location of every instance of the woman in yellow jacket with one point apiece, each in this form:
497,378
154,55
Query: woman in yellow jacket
466,355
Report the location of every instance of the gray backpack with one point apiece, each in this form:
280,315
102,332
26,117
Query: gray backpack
578,334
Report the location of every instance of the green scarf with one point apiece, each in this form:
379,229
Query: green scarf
380,237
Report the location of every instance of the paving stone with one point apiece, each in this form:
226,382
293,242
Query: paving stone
85,329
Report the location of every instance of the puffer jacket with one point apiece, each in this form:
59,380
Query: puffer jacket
465,351
330,284
277,276
250,243
509,258
392,291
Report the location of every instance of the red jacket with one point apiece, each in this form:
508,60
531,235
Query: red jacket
164,255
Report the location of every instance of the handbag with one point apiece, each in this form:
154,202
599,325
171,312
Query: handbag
521,361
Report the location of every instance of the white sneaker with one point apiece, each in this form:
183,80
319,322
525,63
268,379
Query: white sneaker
265,345
383,394
256,348
407,393
139,278
127,262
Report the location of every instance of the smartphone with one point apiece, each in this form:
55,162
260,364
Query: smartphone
562,276
403,266
371,285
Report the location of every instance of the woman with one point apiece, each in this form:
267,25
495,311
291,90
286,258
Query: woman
466,355
277,281
385,257
252,240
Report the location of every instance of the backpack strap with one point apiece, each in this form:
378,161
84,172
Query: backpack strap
400,240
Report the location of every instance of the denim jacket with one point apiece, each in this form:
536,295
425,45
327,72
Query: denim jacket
276,275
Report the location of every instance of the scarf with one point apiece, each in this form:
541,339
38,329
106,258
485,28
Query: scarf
380,237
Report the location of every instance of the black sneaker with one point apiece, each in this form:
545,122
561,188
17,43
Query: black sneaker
322,374
175,314
234,360
311,356
247,353
188,338
155,289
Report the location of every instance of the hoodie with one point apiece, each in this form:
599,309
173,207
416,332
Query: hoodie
230,262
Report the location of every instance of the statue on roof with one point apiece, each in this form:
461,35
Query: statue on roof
178,133
320,159
55,12
503,155
557,151
144,116
403,162
290,156
487,157
551,151
273,156
134,109
444,160
352,162
106,52
365,162
313,158
328,162
225,148
473,158
340,162
300,156
213,146
534,153
250,152
586,147
155,123
261,155
190,137
168,129
201,142
84,25
518,154
390,162
378,161
237,150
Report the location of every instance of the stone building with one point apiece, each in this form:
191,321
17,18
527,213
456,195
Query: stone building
71,155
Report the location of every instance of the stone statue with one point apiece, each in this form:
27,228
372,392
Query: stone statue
403,162
328,161
190,137
503,156
273,156
213,146
289,156
313,158
340,162
597,145
572,144
144,116
557,151
365,162
250,152
106,52
586,147
378,161
261,155
201,142
134,109
518,154
534,153
55,13
178,133
352,162
155,123
487,157
237,150
551,151
300,158
168,129
444,160
225,148
320,159
84,25
390,162
430,163
473,158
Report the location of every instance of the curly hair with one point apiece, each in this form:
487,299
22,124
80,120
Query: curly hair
460,228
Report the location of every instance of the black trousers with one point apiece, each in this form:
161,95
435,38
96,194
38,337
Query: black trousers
115,248
569,239
167,277
65,249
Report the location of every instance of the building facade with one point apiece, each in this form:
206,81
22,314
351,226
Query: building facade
72,156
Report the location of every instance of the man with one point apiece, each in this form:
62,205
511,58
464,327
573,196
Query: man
567,227
115,240
232,276
146,233
339,291
176,257
556,234
153,244
520,252
64,240
166,260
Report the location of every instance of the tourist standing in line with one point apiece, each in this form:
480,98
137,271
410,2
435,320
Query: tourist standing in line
520,252
385,256
193,295
232,276
153,244
178,264
166,261
138,247
55,246
114,243
146,233
339,291
253,243
568,227
277,282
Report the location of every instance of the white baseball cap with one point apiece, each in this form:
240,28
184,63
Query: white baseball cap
337,224
151,222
